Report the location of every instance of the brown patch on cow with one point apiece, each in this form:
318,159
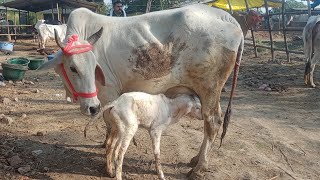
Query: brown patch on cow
154,60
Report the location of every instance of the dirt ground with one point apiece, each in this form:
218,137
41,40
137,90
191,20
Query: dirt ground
272,134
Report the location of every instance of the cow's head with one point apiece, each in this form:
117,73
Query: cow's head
79,70
253,19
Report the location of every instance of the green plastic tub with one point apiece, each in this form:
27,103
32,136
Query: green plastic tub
35,62
19,61
13,72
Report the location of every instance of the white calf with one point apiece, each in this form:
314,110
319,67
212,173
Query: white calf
137,109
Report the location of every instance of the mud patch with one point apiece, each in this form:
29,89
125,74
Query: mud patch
153,61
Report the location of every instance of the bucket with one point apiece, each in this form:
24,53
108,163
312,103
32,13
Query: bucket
18,61
50,57
35,62
13,72
6,46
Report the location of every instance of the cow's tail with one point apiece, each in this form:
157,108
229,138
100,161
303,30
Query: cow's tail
107,107
234,84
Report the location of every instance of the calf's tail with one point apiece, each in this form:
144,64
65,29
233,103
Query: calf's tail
227,115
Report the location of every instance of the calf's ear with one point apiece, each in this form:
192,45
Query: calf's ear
100,76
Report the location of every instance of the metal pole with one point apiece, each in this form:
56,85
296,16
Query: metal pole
269,28
309,8
252,33
230,7
284,31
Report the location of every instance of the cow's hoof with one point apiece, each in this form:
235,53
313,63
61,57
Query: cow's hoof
313,85
193,162
195,175
110,174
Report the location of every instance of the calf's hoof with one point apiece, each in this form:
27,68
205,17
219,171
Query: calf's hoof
195,175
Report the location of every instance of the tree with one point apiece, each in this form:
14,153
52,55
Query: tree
294,4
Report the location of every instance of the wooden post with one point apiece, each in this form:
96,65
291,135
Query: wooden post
52,11
252,33
15,28
309,8
58,12
19,21
269,28
230,7
8,28
284,31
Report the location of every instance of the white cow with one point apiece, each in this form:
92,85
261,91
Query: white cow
152,112
46,31
193,48
311,38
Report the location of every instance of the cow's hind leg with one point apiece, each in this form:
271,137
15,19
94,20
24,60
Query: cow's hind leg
309,69
211,112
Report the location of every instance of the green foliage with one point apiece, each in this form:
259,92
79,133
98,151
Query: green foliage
294,4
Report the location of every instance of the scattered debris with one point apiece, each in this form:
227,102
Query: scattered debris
46,169
5,100
263,87
35,91
14,160
37,152
23,116
24,169
5,119
23,92
16,99
69,100
39,133
28,82
58,95
37,80
2,84
10,82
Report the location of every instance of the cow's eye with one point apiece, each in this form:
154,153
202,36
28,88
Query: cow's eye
73,69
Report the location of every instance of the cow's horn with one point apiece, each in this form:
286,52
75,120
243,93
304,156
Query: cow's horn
57,38
94,38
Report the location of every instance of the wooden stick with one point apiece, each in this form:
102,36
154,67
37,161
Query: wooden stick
287,160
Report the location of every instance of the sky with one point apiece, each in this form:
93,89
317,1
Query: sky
107,1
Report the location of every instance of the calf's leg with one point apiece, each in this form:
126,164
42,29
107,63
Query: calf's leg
110,146
155,135
126,136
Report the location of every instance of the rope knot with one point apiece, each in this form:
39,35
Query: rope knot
73,38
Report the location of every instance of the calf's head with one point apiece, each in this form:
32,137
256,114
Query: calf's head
79,70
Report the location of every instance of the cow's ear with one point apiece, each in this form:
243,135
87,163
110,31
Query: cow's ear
100,75
94,38
52,63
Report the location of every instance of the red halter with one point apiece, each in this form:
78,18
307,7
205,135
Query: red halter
70,50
